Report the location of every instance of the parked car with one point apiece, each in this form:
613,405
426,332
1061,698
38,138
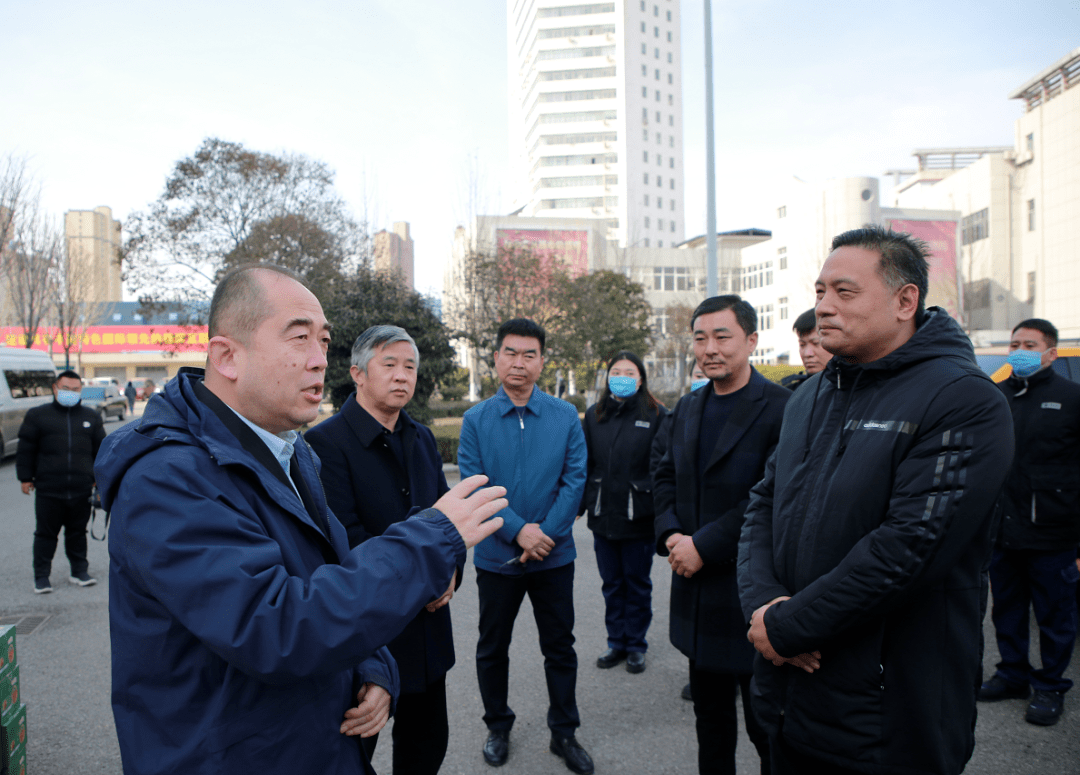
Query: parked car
106,400
26,380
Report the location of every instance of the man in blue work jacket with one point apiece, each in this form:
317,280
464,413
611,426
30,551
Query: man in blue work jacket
532,444
246,636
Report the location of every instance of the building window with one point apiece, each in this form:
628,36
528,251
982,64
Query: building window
1031,142
659,138
656,10
1031,215
672,201
974,227
670,79
657,95
644,69
669,15
646,200
643,5
783,307
659,181
656,32
672,278
646,178
765,317
646,134
669,37
782,254
660,224
644,48
673,222
673,184
656,54
117,317
658,117
645,115
657,74
671,141
1031,288
174,316
659,160
660,244
781,212
646,221
670,120
671,99
644,91
646,155
137,317
659,201
671,162
646,242
643,26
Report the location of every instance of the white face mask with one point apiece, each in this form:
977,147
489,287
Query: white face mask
68,397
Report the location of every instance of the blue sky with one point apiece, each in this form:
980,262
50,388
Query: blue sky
397,96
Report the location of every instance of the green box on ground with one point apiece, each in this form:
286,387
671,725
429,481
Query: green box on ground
16,763
9,692
13,730
7,647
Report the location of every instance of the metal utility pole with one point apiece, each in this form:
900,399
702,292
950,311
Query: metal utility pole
710,163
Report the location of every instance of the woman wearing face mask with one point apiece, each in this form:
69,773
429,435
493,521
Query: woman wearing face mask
619,431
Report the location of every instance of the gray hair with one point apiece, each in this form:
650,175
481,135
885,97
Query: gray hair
376,338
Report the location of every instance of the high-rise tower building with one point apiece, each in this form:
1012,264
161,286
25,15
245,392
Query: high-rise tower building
93,244
596,115
394,252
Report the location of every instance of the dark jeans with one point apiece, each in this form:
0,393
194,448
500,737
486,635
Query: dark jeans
1046,583
718,724
787,761
420,732
551,593
627,586
55,513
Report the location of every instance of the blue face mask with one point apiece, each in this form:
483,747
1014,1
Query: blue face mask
699,383
622,387
67,397
1025,362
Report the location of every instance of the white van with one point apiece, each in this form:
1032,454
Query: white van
26,380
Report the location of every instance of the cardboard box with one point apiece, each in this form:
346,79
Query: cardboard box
9,692
16,763
7,647
13,730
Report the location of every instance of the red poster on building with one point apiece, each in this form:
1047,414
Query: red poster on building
940,236
569,247
114,339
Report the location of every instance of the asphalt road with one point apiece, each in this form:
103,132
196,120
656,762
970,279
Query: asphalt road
631,724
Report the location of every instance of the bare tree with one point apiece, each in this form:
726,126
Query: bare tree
72,289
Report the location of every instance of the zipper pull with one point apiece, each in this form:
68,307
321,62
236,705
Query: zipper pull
522,421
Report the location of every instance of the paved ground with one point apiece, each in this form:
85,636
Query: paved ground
631,724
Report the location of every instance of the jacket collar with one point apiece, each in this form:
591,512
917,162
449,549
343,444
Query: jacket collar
366,427
748,406
505,405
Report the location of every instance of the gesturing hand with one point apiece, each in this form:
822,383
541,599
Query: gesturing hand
758,636
371,713
472,512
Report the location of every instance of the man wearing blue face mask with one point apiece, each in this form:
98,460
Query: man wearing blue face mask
1034,563
57,446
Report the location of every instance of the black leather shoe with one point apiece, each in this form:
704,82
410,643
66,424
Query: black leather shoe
635,662
573,754
497,748
686,695
997,688
610,658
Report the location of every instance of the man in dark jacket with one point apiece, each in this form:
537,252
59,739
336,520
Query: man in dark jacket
57,446
244,630
720,438
814,357
862,563
378,468
1034,565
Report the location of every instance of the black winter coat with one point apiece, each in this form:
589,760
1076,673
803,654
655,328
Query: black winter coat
368,491
618,488
706,623
57,447
876,515
1041,502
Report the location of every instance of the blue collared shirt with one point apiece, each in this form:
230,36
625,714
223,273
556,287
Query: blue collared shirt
281,445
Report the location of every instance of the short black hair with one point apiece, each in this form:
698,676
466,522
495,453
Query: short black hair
239,302
521,327
67,374
904,259
1044,327
805,323
744,312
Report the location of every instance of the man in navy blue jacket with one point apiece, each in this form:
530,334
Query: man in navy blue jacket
379,467
246,636
532,444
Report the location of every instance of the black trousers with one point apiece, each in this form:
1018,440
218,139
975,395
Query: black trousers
717,723
52,514
420,732
787,761
551,593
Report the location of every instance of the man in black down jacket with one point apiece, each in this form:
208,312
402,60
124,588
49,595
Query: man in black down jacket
57,446
720,437
862,563
1034,565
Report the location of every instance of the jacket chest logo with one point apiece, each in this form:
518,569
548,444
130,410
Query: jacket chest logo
86,423
642,424
889,426
1051,405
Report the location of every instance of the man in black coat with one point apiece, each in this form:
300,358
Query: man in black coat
57,446
814,357
862,563
379,467
1034,564
720,438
